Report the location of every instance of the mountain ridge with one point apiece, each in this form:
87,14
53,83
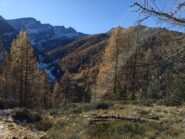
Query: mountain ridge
41,34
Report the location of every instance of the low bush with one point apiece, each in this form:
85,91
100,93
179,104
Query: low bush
170,101
130,128
147,102
1,105
176,96
142,112
98,130
102,106
26,116
44,124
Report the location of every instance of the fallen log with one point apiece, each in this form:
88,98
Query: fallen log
99,118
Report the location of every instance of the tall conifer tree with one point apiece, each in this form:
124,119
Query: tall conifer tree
30,80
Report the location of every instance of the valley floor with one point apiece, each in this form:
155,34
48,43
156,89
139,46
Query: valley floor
118,121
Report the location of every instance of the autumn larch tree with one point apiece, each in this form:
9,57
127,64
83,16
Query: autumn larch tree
65,82
112,77
30,80
62,90
110,66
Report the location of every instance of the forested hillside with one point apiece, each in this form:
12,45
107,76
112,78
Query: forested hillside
134,63
140,62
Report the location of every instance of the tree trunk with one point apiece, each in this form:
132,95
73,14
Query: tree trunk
116,67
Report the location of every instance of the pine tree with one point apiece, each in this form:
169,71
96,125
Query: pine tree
4,71
46,92
6,81
56,95
111,77
30,80
1,56
109,67
6,76
1,70
65,82
61,93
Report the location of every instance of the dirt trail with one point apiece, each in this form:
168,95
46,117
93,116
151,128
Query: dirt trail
10,130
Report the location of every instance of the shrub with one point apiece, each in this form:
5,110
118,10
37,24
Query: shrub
132,128
170,101
176,95
102,106
1,105
147,102
144,112
153,90
26,116
98,130
44,124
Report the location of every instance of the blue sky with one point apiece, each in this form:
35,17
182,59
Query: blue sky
88,16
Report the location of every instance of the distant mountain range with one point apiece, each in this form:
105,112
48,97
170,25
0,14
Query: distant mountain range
7,32
5,27
43,37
